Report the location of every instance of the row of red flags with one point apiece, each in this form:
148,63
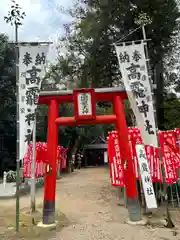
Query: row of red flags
42,159
169,151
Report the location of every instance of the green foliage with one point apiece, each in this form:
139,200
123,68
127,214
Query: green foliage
90,59
172,111
98,25
15,15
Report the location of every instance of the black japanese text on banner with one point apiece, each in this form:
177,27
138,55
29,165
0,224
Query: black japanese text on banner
146,177
32,62
132,62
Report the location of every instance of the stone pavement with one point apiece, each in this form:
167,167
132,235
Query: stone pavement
8,191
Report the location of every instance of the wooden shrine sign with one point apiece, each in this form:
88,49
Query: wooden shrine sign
84,104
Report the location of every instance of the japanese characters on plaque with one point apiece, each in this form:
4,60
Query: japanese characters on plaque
32,60
146,177
132,63
84,104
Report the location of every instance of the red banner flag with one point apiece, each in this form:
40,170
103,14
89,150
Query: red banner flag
116,170
169,164
134,138
41,159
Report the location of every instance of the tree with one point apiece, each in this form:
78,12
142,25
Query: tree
99,25
172,63
7,105
90,55
172,111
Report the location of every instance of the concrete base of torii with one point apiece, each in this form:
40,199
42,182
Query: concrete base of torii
53,225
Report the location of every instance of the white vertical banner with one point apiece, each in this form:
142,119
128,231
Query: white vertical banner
133,67
146,177
32,63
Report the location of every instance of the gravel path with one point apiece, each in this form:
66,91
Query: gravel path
91,205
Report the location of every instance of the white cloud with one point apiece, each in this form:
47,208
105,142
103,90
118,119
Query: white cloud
43,22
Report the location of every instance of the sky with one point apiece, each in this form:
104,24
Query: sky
43,22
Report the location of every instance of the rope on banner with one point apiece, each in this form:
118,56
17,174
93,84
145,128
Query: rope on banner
119,42
123,38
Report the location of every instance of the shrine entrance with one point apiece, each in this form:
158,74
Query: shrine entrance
85,115
95,153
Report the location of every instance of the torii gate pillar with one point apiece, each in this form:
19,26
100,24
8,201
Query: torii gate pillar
129,174
50,178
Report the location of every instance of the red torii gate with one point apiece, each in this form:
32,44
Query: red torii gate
53,99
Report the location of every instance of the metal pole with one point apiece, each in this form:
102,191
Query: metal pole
144,32
4,179
172,198
125,197
177,194
17,126
33,179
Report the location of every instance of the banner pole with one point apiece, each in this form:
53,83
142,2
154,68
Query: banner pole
18,132
155,112
33,179
15,17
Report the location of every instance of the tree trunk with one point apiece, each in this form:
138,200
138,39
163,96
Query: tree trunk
160,95
72,150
